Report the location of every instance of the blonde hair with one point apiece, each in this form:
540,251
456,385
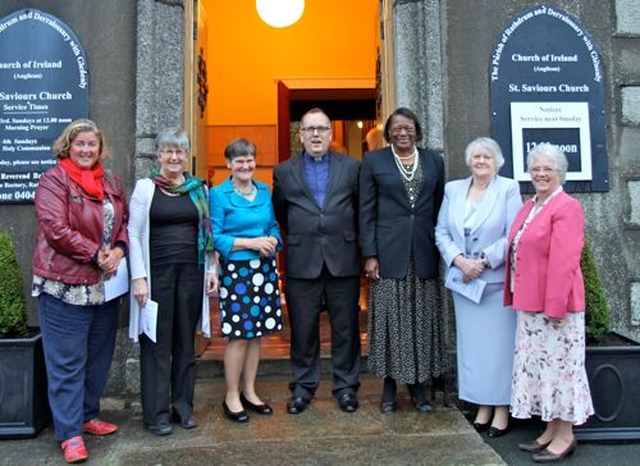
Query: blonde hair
375,138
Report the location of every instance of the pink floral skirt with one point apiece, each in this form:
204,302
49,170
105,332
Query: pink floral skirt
549,377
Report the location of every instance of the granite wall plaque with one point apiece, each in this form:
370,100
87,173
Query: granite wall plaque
44,85
547,85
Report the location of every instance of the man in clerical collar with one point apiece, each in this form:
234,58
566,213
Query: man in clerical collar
315,197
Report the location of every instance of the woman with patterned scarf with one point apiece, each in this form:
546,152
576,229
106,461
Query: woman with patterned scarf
172,264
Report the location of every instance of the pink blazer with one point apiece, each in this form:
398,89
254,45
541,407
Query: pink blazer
547,271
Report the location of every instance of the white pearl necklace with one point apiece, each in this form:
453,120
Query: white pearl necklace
407,172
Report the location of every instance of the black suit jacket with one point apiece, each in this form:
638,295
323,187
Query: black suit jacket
318,235
390,229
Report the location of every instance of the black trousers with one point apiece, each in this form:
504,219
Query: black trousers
305,300
168,367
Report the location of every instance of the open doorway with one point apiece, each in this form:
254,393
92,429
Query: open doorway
261,82
352,112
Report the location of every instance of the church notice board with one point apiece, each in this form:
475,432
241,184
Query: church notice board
44,86
547,85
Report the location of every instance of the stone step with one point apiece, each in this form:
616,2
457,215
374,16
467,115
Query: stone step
322,435
212,366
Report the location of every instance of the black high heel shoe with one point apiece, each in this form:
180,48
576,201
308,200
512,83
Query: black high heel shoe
263,409
494,432
240,416
481,426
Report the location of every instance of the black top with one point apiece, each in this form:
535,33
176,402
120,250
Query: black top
174,229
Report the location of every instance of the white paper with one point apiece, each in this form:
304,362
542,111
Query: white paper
149,319
118,284
471,290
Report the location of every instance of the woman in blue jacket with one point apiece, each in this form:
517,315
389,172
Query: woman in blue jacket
246,236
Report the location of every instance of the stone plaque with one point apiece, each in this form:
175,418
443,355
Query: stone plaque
547,86
44,85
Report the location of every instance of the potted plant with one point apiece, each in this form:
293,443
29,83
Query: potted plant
24,409
613,367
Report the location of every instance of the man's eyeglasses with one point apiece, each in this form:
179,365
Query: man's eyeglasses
313,129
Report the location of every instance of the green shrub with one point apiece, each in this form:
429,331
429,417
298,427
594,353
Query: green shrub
13,307
597,317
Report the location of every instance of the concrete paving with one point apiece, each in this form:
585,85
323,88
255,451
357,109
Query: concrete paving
322,435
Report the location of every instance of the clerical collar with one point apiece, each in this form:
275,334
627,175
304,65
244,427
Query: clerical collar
317,158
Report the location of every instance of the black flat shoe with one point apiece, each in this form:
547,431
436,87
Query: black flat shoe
161,429
494,432
422,406
263,409
240,416
387,407
481,426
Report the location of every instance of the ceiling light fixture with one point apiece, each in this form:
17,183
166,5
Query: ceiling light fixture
280,13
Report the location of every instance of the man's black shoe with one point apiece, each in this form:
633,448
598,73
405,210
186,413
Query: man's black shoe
159,429
296,405
348,403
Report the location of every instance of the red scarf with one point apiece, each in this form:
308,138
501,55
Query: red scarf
89,180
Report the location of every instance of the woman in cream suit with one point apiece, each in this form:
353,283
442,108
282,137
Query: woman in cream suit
472,229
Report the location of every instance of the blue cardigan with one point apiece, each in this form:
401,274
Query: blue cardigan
233,216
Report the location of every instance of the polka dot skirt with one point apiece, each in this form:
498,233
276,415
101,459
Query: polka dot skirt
250,304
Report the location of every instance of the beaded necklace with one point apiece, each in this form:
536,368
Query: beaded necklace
407,171
248,194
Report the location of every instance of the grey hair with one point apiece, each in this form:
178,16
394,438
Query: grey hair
239,148
485,143
174,136
545,149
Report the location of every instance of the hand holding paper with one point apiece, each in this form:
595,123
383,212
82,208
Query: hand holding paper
117,284
149,319
471,290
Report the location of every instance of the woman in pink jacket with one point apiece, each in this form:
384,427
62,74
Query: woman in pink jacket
544,284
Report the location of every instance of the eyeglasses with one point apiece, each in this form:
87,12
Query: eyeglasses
399,129
313,129
545,170
177,152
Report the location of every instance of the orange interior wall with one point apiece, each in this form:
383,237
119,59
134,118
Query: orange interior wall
334,39
333,45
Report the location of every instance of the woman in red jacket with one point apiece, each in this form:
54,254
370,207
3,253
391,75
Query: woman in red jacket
81,239
544,284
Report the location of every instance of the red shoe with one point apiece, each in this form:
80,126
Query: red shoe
98,427
74,450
